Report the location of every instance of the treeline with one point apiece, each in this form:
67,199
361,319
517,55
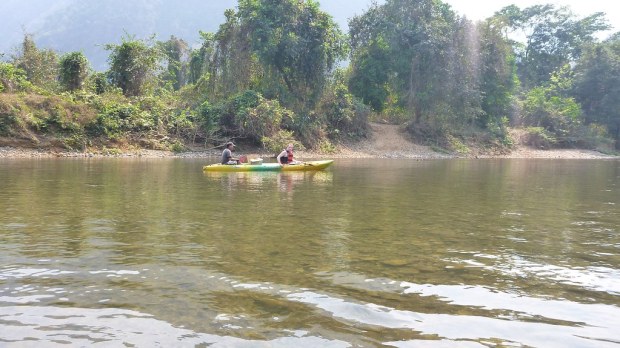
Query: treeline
273,73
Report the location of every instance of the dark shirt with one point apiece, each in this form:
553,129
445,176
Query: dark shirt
226,156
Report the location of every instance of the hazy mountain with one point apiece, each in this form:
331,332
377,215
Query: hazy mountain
87,25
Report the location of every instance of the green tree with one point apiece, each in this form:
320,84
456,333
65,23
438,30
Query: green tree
597,85
498,74
553,37
232,66
176,53
74,70
416,37
297,45
134,66
551,108
370,73
41,66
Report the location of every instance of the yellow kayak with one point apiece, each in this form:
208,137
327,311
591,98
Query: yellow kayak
268,167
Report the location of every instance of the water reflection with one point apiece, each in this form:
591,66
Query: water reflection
268,181
52,326
369,253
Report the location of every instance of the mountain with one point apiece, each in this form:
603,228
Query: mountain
88,25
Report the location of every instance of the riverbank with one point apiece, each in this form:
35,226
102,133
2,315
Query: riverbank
387,141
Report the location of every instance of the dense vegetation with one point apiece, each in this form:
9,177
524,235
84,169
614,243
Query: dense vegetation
273,74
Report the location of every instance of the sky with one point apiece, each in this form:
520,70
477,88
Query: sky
481,9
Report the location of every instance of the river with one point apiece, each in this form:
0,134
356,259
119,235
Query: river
369,253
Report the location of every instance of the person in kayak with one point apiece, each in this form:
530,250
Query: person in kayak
286,156
227,157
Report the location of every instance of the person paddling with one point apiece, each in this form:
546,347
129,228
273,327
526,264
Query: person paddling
227,157
286,156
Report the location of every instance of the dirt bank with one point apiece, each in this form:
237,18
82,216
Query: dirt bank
386,141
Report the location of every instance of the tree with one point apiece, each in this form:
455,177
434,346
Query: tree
232,65
370,74
41,66
498,75
73,70
415,37
133,66
176,53
553,37
551,108
297,45
597,85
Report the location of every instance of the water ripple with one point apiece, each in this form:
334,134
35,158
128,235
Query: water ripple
52,326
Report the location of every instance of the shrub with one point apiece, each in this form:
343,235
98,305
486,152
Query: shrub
13,79
278,141
344,115
247,115
539,137
263,120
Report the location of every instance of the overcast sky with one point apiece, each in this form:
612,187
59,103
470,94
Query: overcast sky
480,9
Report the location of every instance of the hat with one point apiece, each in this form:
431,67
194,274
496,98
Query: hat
229,143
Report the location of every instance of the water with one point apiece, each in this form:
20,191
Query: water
442,253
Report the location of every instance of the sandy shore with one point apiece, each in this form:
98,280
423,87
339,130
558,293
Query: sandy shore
386,142
344,152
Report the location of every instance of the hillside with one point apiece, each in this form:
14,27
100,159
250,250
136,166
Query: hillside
78,25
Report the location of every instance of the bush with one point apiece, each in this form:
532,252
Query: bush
345,116
538,137
247,115
278,141
13,79
263,120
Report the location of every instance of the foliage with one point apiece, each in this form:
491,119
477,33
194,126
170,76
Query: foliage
268,75
133,66
73,70
208,118
280,140
116,117
538,137
13,79
345,115
553,36
498,76
370,74
297,45
415,38
40,66
248,115
325,146
549,107
98,82
176,54
416,62
227,60
597,85
263,120
25,115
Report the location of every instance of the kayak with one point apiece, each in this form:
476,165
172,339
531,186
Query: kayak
268,167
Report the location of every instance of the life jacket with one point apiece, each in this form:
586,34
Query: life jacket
288,158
